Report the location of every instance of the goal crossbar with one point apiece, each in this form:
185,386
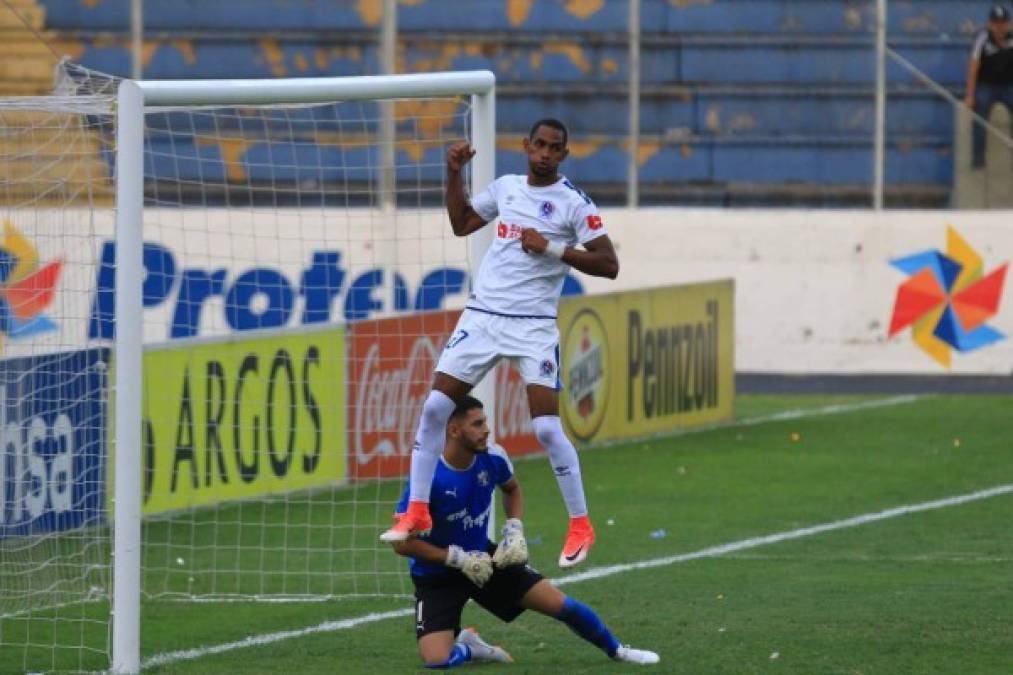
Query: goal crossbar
134,98
313,89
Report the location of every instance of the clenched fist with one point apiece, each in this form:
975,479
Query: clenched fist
458,155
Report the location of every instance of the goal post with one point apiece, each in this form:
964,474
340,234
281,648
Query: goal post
135,98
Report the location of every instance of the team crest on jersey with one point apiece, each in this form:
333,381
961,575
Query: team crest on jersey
546,209
548,367
483,478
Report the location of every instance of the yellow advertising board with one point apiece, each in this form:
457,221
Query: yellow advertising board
239,418
646,362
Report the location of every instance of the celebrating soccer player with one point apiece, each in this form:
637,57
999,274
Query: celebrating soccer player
456,561
542,217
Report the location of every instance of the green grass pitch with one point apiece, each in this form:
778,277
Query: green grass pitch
927,592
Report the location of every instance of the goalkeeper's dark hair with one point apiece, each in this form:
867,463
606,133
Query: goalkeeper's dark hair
552,123
465,405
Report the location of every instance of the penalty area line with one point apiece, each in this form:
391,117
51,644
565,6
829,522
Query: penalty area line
166,658
783,416
832,409
595,573
777,537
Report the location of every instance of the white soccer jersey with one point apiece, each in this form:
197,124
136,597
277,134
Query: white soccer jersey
510,281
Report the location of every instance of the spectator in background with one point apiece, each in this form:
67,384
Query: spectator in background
989,76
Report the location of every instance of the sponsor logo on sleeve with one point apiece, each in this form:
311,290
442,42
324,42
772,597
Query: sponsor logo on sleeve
594,222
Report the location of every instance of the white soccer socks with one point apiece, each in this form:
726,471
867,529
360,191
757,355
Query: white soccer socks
564,461
430,440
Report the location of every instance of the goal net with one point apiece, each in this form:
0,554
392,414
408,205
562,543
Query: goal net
54,538
296,282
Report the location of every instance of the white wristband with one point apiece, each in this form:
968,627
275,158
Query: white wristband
555,249
513,525
455,556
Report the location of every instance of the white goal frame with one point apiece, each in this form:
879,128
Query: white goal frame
133,98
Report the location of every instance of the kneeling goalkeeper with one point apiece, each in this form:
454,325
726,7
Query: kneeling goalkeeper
457,562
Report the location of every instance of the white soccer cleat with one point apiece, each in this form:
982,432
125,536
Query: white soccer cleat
482,650
642,657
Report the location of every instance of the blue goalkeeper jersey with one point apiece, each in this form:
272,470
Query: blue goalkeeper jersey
460,504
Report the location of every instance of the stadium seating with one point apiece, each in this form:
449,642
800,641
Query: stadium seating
40,148
26,64
774,93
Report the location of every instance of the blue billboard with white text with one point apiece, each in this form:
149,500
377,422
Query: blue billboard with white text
52,434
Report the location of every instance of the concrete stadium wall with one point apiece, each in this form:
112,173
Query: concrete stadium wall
814,289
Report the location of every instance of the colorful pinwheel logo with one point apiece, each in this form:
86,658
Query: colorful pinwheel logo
946,300
25,288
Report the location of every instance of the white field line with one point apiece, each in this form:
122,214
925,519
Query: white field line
754,542
798,413
268,638
784,415
346,624
834,409
597,573
950,558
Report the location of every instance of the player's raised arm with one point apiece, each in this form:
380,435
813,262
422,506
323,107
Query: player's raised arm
463,218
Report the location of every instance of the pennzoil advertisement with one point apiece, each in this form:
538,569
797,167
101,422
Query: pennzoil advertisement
232,419
643,362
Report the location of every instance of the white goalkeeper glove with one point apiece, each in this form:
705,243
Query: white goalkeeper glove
476,565
513,549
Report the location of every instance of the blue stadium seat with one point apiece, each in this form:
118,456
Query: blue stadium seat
733,111
705,61
658,16
756,91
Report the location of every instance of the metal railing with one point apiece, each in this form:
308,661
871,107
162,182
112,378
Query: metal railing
878,42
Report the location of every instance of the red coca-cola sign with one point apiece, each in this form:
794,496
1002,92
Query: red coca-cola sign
390,369
512,422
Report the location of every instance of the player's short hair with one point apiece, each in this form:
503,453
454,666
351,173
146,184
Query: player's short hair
553,123
465,405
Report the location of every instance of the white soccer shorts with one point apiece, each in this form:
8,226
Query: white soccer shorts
481,339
